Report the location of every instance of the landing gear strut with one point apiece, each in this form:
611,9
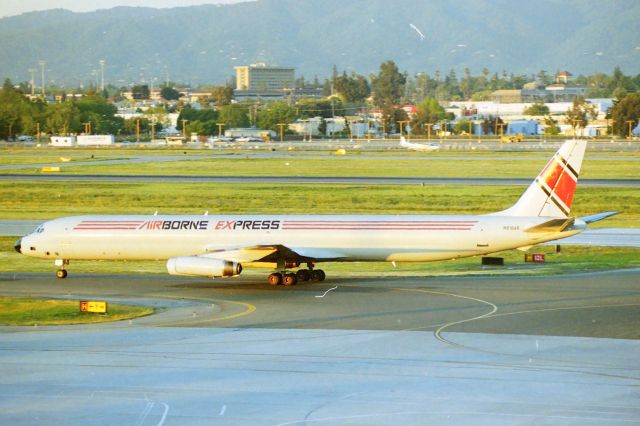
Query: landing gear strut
288,279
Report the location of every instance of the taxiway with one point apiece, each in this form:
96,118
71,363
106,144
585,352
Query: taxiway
418,350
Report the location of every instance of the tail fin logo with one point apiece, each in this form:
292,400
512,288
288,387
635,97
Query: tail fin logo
558,180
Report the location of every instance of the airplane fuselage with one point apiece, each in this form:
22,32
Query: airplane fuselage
401,238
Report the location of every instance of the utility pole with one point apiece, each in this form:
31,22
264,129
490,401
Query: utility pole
184,129
220,126
281,126
42,64
470,128
137,129
630,124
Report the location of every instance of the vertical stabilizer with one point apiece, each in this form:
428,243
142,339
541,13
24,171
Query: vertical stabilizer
551,193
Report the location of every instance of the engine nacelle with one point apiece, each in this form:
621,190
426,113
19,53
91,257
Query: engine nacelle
202,267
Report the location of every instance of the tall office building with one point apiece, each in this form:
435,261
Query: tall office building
259,77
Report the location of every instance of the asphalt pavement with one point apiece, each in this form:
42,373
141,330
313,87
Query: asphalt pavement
413,351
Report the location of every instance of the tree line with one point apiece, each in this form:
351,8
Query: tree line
345,94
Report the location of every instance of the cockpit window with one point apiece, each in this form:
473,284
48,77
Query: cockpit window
39,230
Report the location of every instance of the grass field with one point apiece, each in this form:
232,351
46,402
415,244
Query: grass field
46,200
504,165
23,311
302,162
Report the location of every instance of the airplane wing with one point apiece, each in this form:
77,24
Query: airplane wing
271,253
553,225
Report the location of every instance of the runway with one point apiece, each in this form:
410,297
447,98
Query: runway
341,180
418,350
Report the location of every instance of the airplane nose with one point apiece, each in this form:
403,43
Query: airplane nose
18,246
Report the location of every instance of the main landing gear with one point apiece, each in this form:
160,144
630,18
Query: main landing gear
61,273
288,279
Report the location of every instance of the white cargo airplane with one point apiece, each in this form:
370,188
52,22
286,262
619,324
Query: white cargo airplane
418,146
216,246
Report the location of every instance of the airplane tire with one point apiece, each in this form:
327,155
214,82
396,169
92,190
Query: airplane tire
317,275
289,279
303,275
61,273
275,278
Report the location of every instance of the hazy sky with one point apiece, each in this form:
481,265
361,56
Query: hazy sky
16,7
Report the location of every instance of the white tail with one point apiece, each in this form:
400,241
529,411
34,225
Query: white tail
551,193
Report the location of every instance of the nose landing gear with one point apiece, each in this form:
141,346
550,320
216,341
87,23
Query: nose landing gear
61,273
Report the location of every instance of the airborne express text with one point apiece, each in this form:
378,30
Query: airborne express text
248,224
203,225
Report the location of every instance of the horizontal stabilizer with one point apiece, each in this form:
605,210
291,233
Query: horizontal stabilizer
597,217
553,225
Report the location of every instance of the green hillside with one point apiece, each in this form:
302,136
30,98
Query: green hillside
202,44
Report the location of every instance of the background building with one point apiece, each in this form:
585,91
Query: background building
264,78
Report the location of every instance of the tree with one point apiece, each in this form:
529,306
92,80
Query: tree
624,111
580,113
429,111
388,85
325,108
463,126
354,88
101,114
537,108
13,105
204,120
139,92
392,117
234,115
62,118
222,95
492,126
169,94
551,126
275,113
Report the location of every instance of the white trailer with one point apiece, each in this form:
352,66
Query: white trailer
63,140
92,140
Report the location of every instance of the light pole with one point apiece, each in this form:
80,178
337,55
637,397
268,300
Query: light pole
102,62
402,123
220,126
33,80
153,128
42,64
429,126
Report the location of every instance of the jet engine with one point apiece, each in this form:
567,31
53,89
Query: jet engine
202,267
